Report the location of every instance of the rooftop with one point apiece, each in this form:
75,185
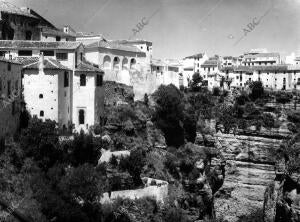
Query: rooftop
268,54
88,67
55,32
199,55
210,63
2,59
10,8
113,45
274,68
33,63
136,41
23,45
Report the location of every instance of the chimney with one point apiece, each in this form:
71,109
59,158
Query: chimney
41,62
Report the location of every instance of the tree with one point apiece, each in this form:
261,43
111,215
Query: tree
257,90
40,141
81,183
168,114
83,150
196,80
134,164
190,125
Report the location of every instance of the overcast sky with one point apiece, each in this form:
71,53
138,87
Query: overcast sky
180,28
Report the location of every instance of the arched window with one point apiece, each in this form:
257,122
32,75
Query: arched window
107,62
125,64
81,116
82,80
41,113
116,65
132,64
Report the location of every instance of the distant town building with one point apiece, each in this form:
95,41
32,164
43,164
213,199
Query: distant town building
10,97
85,92
192,64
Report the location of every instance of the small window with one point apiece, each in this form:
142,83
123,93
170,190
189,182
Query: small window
24,53
28,35
81,56
66,79
9,66
82,80
16,85
48,52
62,56
81,116
58,38
99,80
8,88
41,113
41,96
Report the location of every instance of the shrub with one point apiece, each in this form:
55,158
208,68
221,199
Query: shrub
257,90
216,91
175,214
113,161
268,120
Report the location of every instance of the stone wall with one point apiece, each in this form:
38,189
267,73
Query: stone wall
117,92
158,192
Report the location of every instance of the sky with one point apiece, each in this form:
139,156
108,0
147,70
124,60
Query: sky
179,28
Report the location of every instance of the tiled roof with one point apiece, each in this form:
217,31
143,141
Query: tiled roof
268,54
209,63
199,55
113,45
88,67
22,44
157,62
2,59
274,68
33,63
137,41
227,68
53,32
7,7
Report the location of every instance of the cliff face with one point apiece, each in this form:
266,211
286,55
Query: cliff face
249,170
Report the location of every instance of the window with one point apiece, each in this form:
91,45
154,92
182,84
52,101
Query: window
16,85
28,35
9,66
41,96
2,53
13,108
8,88
48,52
62,56
82,80
81,56
0,85
76,57
66,79
99,80
81,116
24,53
58,38
41,113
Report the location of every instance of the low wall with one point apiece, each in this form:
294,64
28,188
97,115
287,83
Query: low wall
159,193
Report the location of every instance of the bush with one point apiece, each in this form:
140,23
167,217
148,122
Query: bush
175,214
216,91
257,90
268,120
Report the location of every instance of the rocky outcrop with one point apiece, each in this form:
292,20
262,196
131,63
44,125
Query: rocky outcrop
249,171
